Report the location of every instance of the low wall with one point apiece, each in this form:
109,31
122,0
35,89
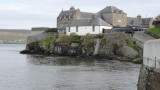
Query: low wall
38,37
151,54
149,78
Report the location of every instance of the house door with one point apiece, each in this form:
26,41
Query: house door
103,30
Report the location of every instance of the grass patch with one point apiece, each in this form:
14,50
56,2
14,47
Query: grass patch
89,36
88,43
133,45
47,41
65,38
155,31
103,42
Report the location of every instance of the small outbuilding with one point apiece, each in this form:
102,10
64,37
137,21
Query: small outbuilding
128,30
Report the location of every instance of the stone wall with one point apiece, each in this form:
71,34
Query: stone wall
111,45
38,37
119,19
149,78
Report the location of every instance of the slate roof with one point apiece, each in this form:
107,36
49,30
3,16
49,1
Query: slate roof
88,22
137,22
87,14
146,21
68,12
110,9
131,21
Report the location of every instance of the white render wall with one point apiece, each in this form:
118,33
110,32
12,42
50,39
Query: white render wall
151,53
83,30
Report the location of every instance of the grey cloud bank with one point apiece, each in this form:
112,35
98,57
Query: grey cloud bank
17,14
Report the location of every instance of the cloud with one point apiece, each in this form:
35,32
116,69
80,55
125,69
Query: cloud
13,7
32,13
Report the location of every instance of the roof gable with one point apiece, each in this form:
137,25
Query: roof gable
111,9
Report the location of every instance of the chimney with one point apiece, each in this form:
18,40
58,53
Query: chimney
72,8
93,16
139,17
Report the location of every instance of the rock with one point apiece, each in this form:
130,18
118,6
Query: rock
25,52
137,60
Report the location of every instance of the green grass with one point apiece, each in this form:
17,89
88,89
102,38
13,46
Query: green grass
89,36
88,43
65,38
47,41
155,31
133,45
103,42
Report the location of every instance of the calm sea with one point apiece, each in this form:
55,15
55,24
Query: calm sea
36,72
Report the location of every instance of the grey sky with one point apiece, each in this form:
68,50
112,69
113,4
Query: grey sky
43,13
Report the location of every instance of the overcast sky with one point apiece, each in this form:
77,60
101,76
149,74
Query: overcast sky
18,14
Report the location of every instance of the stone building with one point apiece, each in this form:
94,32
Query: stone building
113,16
110,14
140,22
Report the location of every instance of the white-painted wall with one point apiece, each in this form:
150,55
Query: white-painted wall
83,30
151,53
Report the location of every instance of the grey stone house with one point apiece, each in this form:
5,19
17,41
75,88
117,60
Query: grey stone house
140,22
110,14
113,16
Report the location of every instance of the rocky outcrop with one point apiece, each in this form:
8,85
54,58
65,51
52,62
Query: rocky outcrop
149,79
108,46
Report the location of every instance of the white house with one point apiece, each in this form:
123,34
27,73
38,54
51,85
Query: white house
85,26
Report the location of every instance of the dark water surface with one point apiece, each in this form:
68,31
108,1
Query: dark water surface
35,72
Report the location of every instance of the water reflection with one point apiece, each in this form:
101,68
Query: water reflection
36,72
99,64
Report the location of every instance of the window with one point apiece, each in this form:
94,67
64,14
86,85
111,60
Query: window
69,29
119,20
77,29
93,29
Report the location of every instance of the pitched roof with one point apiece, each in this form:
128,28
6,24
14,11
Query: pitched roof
87,14
133,21
69,11
146,21
88,22
111,9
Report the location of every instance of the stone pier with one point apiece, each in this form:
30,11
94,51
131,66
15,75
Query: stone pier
149,78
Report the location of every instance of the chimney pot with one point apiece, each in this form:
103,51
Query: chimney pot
72,8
